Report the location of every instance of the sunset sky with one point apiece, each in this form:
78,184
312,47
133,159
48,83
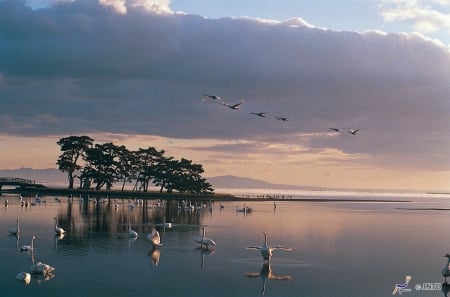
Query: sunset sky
134,71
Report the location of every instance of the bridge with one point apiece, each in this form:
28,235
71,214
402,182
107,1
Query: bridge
19,183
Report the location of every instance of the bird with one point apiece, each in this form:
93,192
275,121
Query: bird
352,131
204,241
58,229
260,114
154,238
41,268
233,106
213,97
446,270
166,224
131,232
28,248
15,230
24,276
335,129
284,119
266,251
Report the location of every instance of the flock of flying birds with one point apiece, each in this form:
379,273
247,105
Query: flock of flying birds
237,105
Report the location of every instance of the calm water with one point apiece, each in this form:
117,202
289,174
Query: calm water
339,248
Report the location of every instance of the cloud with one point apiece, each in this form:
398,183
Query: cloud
96,67
427,16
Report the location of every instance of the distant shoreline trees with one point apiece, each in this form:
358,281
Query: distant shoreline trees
107,164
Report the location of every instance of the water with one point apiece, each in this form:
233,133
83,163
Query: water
339,248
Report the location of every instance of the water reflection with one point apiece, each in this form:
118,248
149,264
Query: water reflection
204,252
265,274
155,255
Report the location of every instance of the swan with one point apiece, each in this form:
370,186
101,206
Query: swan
353,132
446,270
233,106
213,97
24,276
27,248
266,251
166,224
41,268
204,241
154,238
15,230
284,119
131,232
259,114
58,229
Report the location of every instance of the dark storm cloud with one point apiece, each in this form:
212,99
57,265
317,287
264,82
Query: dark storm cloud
81,67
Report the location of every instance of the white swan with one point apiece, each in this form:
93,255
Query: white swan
15,230
266,251
131,232
446,270
204,241
154,238
28,248
166,224
58,229
24,276
41,268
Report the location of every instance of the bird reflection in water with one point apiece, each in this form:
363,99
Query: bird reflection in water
265,274
204,252
155,255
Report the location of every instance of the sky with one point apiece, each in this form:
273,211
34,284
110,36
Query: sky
134,72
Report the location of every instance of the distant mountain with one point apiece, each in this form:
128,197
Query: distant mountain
47,177
236,182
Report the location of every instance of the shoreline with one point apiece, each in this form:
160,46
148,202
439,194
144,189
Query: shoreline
153,195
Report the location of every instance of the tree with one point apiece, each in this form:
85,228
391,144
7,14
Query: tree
73,149
102,165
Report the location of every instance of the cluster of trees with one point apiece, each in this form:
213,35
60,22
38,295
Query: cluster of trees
107,164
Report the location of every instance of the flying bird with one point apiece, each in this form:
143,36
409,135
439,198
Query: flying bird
213,97
353,132
335,129
284,119
266,250
204,241
233,106
260,114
